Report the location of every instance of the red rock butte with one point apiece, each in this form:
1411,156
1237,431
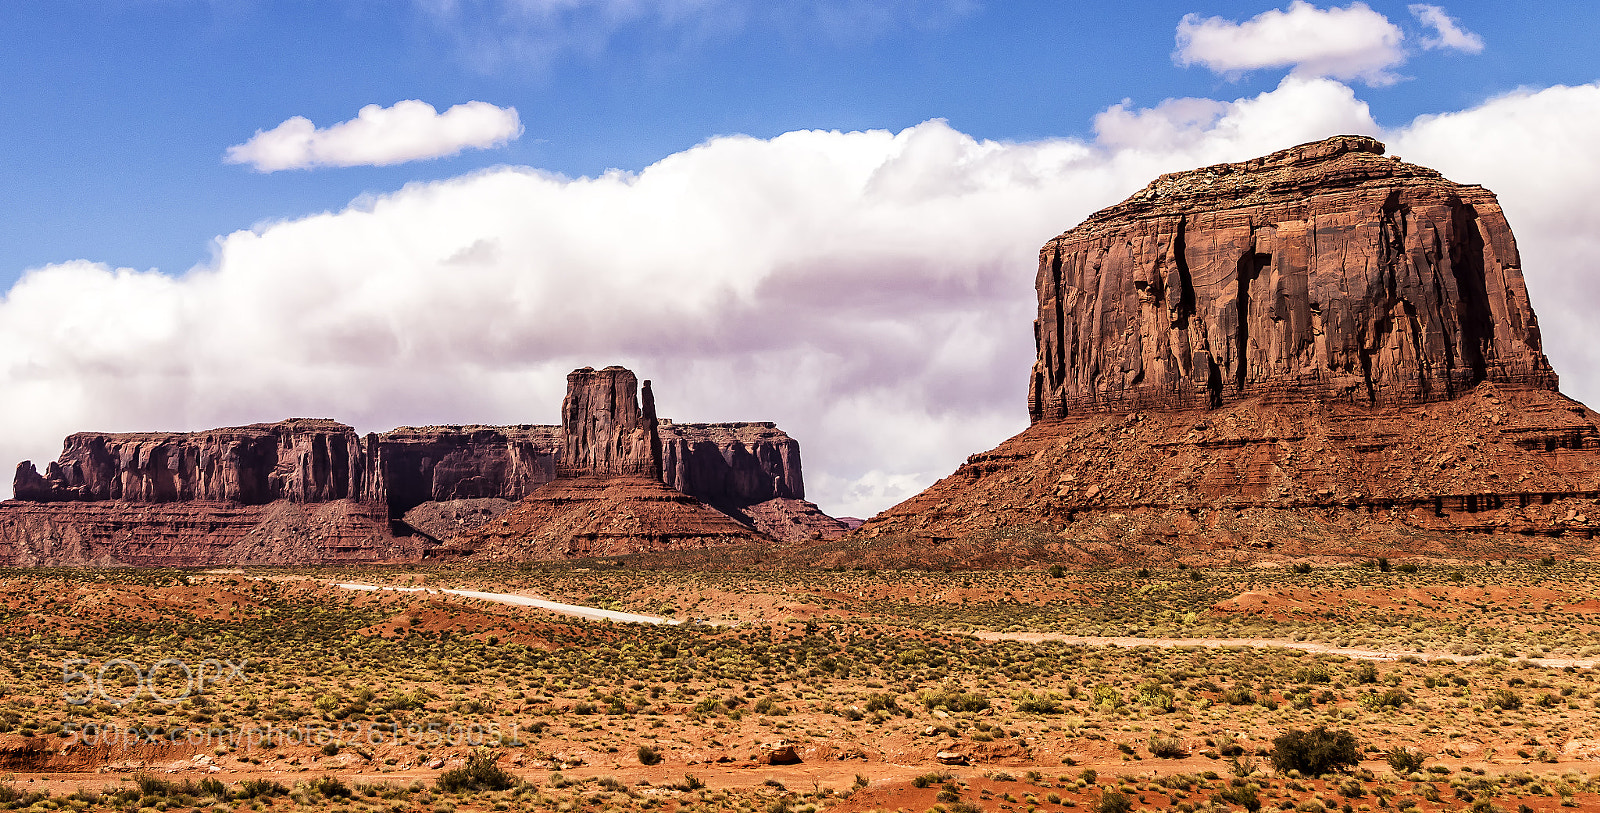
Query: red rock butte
1327,270
1321,351
312,490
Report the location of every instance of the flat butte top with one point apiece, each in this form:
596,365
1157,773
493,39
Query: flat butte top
1334,164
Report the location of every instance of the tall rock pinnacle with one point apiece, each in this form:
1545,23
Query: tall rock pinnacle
606,433
1325,270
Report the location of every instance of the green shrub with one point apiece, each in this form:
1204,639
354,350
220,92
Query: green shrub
1314,752
649,756
1167,747
1030,703
259,788
1405,761
482,772
1114,801
331,787
1242,795
1505,699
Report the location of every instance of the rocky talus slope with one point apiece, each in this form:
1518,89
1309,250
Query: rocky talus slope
1322,351
608,498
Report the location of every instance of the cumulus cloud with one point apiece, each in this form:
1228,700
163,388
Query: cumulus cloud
411,130
1350,43
869,291
1447,31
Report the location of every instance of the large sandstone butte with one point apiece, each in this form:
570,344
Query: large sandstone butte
1324,350
302,491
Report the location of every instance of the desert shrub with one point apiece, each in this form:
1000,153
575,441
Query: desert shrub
1408,567
876,702
1302,568
1243,795
1366,673
951,697
1167,747
1031,703
769,706
1505,699
1314,752
649,756
1393,698
482,772
259,788
1313,673
928,779
1056,571
1107,697
1239,696
213,787
1405,761
331,787
1155,695
1114,801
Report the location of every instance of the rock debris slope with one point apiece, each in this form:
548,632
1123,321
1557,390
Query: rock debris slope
1324,350
608,498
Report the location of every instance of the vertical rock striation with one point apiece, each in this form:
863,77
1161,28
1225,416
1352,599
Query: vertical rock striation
605,432
1326,270
300,460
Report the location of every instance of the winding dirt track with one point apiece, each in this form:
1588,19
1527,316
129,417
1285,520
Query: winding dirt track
1270,643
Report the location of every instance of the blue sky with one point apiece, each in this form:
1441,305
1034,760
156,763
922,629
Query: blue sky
119,111
878,307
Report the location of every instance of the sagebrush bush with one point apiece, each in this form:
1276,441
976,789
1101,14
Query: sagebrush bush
1315,752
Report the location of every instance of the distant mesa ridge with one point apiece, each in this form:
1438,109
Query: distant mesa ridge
437,481
1326,270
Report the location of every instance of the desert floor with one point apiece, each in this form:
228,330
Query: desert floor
1465,686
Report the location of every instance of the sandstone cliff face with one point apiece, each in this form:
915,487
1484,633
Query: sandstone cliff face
731,463
300,460
449,463
1326,270
605,431
1319,352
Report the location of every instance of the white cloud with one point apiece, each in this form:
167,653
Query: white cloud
1448,32
1353,42
871,292
411,130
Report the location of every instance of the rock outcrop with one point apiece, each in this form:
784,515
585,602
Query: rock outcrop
608,498
731,464
115,497
299,460
418,465
1326,271
1322,351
